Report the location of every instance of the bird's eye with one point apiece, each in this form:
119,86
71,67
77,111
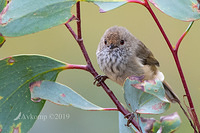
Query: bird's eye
105,42
122,42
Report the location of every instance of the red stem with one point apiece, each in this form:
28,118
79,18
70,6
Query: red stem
159,25
106,109
136,1
179,42
71,31
174,53
110,109
72,66
73,17
192,109
182,36
90,67
78,13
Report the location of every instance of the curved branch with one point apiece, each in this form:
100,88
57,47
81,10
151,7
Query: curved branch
159,25
183,35
174,53
90,67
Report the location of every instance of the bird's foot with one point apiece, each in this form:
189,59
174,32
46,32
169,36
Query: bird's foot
98,79
130,117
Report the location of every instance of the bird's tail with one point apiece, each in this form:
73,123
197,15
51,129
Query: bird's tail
171,96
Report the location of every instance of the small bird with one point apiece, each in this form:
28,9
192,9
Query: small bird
120,55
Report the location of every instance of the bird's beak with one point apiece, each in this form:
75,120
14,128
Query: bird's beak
112,46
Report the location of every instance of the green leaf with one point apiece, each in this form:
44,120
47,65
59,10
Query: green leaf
25,17
145,97
170,123
60,94
17,111
167,124
2,4
123,128
156,126
30,16
148,124
186,10
2,40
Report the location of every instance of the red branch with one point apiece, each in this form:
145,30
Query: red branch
174,52
90,67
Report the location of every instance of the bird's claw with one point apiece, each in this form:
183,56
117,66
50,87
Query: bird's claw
130,117
99,79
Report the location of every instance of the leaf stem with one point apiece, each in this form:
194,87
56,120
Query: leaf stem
110,109
73,17
106,109
71,31
90,67
183,35
136,1
73,66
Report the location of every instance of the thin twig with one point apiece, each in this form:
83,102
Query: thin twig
73,17
90,67
159,25
174,53
104,86
183,35
188,118
78,13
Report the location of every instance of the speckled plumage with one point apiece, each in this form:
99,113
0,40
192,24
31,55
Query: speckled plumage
120,54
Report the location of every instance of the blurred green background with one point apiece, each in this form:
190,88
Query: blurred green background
58,43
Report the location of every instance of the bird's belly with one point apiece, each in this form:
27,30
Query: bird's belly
118,67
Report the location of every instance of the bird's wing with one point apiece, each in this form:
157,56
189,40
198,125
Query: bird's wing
146,55
147,58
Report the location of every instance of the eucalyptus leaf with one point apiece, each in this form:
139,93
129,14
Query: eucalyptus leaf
145,97
170,123
60,94
2,40
186,10
148,124
2,4
30,16
25,17
17,111
123,128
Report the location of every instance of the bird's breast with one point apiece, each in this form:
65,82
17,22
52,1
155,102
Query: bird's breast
113,64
